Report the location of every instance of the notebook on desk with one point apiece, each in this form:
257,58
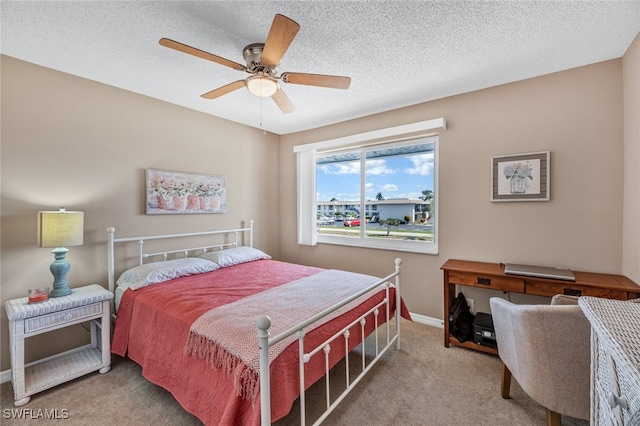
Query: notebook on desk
539,271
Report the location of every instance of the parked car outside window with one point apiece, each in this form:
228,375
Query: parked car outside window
325,221
352,221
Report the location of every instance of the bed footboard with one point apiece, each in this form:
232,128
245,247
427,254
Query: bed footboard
265,342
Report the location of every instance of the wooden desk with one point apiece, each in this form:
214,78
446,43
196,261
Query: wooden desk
492,276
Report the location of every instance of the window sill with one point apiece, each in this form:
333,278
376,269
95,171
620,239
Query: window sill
372,243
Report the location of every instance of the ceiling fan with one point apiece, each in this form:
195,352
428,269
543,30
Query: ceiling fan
262,61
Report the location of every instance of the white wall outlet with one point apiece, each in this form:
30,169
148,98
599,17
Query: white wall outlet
471,307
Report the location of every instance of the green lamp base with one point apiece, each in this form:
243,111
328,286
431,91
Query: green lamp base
59,269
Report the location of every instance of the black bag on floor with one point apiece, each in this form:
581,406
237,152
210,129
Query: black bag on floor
461,319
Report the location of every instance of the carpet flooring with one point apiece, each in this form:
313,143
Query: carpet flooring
423,383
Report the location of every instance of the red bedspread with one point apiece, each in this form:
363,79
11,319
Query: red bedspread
153,325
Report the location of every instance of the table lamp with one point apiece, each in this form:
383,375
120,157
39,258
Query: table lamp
59,229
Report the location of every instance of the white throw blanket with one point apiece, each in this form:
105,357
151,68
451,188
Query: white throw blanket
227,336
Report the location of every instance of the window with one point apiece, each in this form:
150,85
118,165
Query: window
371,191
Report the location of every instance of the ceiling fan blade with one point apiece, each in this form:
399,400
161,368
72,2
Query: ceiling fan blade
201,54
283,31
332,81
216,93
283,102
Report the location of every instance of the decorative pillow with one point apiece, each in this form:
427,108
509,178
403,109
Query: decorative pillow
234,256
157,272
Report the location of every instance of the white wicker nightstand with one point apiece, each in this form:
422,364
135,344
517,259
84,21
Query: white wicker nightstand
89,303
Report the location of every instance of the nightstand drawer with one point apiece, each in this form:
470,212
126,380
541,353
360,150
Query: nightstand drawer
624,382
53,319
615,349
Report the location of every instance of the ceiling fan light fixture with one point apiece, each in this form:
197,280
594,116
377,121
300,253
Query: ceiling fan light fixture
262,86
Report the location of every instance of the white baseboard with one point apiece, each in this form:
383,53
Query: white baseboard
430,321
5,376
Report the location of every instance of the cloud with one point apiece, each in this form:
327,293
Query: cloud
411,195
422,164
390,187
341,168
378,167
373,168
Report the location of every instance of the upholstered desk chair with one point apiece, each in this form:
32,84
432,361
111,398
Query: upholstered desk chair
546,348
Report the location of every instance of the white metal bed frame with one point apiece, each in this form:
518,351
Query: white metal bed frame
264,322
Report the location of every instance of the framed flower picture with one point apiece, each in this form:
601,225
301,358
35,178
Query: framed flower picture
183,193
521,177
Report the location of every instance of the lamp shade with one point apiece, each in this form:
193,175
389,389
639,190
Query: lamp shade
60,228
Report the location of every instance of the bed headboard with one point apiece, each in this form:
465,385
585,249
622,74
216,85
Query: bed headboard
234,240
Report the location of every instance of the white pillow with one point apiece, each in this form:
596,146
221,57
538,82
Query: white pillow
157,272
234,256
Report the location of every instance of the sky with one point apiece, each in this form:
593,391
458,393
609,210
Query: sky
404,176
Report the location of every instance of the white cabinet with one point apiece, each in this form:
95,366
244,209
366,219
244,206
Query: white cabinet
89,303
615,360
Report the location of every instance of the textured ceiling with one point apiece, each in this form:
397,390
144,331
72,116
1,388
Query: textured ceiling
397,53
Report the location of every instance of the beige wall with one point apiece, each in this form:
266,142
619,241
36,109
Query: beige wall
576,114
71,142
631,207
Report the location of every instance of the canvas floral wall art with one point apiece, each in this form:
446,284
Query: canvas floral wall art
182,193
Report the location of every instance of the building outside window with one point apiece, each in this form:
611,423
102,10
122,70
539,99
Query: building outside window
377,189
380,195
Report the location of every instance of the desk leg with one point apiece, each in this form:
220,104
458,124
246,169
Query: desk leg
448,297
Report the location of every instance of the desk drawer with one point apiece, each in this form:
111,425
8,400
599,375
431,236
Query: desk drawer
62,317
515,285
550,289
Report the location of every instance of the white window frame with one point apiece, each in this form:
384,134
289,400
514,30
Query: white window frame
306,185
